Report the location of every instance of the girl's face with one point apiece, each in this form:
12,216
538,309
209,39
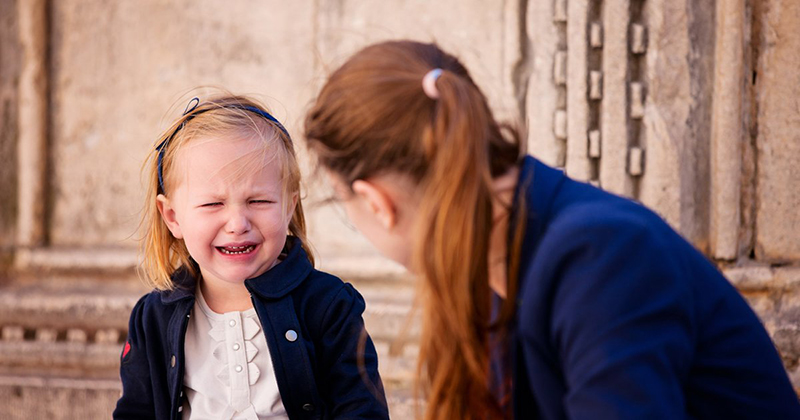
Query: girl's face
230,216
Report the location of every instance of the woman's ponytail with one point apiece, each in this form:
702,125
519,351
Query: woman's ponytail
455,224
374,116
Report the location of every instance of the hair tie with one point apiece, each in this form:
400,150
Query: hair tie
429,83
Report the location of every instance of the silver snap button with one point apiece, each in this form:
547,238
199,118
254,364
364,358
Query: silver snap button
238,368
172,361
232,323
180,409
236,346
291,335
308,407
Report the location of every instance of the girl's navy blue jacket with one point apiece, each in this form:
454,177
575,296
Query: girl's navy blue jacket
619,317
330,371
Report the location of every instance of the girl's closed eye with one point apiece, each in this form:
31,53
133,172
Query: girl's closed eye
262,202
213,204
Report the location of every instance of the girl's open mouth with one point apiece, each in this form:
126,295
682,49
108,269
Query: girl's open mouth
236,250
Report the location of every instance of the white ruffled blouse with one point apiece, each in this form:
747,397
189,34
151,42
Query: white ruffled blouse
229,372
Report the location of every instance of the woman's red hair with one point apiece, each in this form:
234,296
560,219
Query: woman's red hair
372,117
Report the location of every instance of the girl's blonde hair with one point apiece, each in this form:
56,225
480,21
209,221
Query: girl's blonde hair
218,118
373,117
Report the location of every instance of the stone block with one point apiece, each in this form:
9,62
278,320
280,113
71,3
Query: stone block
727,132
636,161
61,358
638,38
76,335
614,110
672,91
577,164
594,144
9,75
13,333
65,259
560,68
595,85
596,36
560,127
560,11
637,100
545,104
778,140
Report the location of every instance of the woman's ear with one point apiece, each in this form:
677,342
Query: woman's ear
168,215
378,202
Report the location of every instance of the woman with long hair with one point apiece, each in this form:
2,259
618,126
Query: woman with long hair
542,297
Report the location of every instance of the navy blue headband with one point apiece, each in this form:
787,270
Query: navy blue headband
193,103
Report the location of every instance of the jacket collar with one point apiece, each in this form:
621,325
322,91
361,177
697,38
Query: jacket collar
280,280
184,283
539,185
273,284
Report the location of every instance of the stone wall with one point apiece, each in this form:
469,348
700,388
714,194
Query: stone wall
109,101
689,107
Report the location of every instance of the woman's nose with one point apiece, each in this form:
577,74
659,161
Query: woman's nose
238,222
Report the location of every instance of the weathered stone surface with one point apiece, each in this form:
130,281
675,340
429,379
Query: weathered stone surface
727,132
74,325
772,292
150,53
118,66
32,123
667,139
614,113
74,359
480,33
9,73
473,30
762,277
778,141
387,319
98,308
547,69
695,155
72,399
57,399
577,165
70,259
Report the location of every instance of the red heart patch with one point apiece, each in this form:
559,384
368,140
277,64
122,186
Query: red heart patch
126,349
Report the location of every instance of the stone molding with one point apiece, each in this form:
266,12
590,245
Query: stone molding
727,129
32,123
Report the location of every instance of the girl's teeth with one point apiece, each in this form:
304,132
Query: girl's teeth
234,250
